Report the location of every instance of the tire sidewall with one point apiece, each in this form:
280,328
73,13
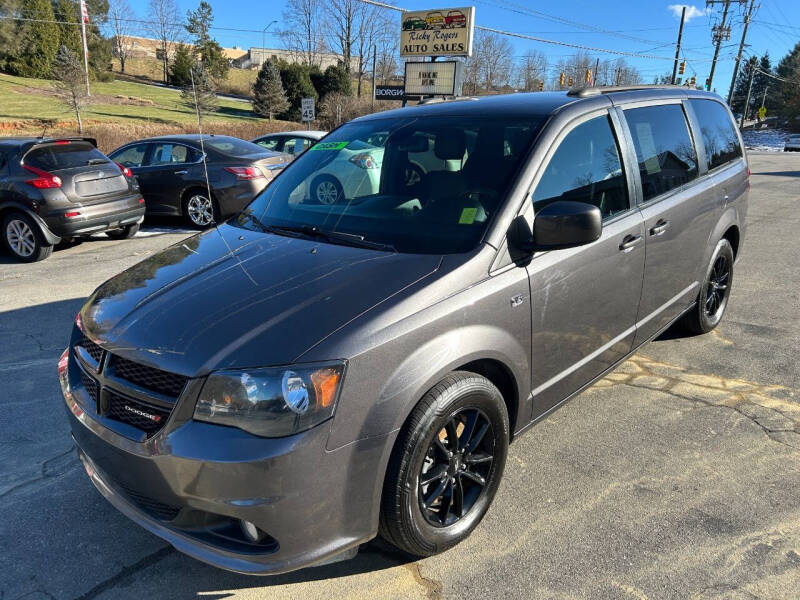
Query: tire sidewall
38,251
708,323
486,398
214,209
322,179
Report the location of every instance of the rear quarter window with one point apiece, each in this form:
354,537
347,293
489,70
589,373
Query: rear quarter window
52,157
233,146
716,129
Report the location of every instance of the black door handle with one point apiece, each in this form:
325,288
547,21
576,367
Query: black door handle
659,227
629,241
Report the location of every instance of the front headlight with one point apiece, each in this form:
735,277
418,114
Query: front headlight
272,402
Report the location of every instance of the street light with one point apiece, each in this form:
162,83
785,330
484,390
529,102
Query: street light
263,33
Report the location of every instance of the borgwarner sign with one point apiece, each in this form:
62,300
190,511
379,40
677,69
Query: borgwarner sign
441,32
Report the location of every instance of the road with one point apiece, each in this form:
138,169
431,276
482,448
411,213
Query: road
677,476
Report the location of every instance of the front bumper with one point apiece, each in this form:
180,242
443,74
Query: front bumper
313,504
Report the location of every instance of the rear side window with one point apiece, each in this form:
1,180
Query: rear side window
51,157
586,167
716,128
664,148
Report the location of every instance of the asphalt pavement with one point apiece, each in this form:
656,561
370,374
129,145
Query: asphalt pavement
678,476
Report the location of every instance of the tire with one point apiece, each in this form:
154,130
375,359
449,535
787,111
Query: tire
23,239
125,233
199,210
326,189
421,450
714,292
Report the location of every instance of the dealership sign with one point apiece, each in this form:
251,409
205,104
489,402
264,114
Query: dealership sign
389,92
442,78
441,32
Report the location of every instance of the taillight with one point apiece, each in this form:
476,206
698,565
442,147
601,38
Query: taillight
364,160
125,170
44,180
72,214
245,172
62,142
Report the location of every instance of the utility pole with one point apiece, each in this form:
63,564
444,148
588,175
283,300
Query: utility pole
747,102
84,21
596,67
748,17
719,33
374,63
678,46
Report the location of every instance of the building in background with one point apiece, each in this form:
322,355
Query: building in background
255,57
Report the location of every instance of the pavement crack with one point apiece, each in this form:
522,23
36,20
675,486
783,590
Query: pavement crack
51,467
433,588
126,572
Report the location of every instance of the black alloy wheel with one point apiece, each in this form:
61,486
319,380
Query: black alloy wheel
446,465
456,467
712,301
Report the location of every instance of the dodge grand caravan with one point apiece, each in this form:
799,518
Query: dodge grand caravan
272,393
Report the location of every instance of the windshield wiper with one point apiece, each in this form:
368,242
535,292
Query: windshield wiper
334,237
96,161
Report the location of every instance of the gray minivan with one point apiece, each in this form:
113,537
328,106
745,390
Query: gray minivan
271,393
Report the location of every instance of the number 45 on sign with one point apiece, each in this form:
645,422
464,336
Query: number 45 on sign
307,110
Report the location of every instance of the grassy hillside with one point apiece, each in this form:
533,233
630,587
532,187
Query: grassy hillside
238,81
121,111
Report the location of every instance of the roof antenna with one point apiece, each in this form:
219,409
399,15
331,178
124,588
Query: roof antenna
208,184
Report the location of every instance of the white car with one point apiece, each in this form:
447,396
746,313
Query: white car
792,143
293,143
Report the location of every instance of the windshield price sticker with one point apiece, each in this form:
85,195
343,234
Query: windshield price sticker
329,146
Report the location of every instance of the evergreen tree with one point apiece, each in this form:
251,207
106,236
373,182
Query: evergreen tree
200,89
69,34
207,49
334,79
181,67
297,84
38,40
268,95
9,40
788,97
761,82
742,85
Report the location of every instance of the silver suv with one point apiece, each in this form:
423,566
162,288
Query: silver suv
274,392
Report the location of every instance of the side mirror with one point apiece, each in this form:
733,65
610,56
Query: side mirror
566,224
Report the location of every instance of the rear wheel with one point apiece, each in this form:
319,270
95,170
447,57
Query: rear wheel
713,298
446,465
125,233
199,209
23,238
326,189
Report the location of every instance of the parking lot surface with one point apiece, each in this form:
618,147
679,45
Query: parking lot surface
677,476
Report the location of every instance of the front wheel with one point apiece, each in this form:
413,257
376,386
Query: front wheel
446,465
715,291
199,209
326,189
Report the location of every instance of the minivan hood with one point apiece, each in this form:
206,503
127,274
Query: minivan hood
236,298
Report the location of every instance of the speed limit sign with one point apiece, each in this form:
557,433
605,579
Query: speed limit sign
307,109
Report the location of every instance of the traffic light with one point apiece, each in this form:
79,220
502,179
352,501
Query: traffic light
693,81
562,78
570,81
541,85
707,86
588,76
682,67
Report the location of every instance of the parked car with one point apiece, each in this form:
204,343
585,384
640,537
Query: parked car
792,143
454,19
272,394
57,189
414,23
293,143
172,175
434,20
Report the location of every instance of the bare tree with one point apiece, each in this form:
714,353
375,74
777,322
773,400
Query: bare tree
302,34
532,70
374,29
70,82
164,25
119,15
491,64
343,21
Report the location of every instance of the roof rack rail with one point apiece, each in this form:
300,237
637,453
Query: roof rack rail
585,92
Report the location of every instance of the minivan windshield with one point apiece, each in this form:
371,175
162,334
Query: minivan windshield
420,185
